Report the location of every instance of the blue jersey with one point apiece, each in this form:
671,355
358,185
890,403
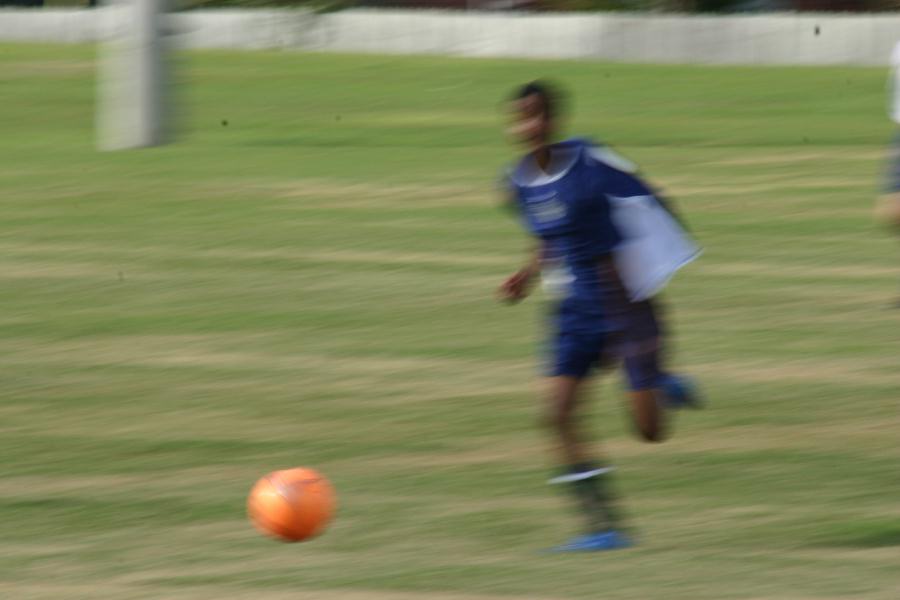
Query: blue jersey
569,208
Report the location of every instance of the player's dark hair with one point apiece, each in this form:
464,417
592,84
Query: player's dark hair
550,96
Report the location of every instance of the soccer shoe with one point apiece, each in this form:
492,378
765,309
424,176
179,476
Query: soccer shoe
595,542
680,392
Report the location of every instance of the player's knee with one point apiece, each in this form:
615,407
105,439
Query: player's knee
887,210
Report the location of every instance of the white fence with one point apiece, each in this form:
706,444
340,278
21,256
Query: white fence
784,39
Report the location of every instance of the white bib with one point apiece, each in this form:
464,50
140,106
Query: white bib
653,248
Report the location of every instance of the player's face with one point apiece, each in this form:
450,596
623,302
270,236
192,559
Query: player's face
530,124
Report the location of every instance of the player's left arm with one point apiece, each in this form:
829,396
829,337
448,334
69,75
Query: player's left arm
626,180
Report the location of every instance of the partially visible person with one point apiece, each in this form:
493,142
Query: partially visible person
887,208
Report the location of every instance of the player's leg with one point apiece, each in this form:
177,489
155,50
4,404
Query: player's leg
652,388
641,350
887,211
559,418
587,479
646,401
887,207
679,391
572,356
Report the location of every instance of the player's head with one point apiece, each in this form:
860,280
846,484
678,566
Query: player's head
535,109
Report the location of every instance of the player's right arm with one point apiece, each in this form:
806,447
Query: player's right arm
517,286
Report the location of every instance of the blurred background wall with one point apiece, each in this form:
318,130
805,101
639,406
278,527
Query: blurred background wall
785,38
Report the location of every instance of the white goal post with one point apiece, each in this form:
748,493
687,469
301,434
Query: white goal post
133,109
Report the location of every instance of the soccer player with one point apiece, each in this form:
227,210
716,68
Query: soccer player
607,241
887,209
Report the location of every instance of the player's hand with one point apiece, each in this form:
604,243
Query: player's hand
516,287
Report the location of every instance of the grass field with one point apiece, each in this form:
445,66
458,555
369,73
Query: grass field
311,284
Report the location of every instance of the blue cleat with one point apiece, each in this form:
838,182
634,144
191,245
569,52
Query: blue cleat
596,542
680,392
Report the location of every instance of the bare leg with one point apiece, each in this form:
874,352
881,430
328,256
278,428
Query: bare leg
590,485
887,210
647,415
643,358
559,418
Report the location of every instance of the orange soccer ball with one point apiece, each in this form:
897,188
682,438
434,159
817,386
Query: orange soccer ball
292,505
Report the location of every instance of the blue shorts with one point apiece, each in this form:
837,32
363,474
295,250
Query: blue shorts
575,351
